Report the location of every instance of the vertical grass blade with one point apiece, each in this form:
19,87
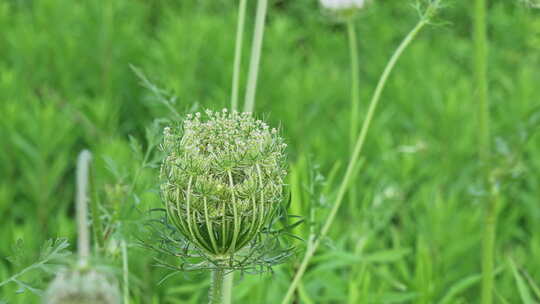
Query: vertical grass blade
524,292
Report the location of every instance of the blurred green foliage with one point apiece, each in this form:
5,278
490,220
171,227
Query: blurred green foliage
412,234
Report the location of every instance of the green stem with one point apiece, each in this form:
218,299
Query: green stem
488,246
480,41
484,149
355,90
125,272
227,288
238,54
96,219
216,287
355,95
355,155
255,55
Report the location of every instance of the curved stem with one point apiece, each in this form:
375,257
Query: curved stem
355,155
216,287
83,234
238,54
255,55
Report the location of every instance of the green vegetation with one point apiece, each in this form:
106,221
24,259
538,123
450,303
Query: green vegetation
108,76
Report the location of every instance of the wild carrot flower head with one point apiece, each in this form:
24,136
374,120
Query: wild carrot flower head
343,9
222,178
82,286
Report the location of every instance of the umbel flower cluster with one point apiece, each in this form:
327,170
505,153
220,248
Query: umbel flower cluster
222,179
343,9
82,286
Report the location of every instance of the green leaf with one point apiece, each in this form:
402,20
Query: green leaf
523,289
460,287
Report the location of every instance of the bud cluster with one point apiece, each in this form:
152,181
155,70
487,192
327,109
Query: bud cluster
222,178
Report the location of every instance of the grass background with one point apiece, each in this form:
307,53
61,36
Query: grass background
412,233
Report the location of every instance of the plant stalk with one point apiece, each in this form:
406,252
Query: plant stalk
227,287
216,286
256,48
238,54
83,234
355,155
97,230
125,271
484,150
355,90
355,95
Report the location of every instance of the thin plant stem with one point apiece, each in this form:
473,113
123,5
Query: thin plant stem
488,246
484,149
227,287
238,54
83,234
312,246
355,90
125,271
216,287
256,48
355,94
97,230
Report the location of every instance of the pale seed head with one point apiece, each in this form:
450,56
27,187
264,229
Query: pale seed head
84,286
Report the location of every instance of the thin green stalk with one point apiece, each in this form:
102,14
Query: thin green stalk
480,41
484,149
125,271
312,247
256,48
488,272
355,94
355,90
238,54
96,219
216,287
227,288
